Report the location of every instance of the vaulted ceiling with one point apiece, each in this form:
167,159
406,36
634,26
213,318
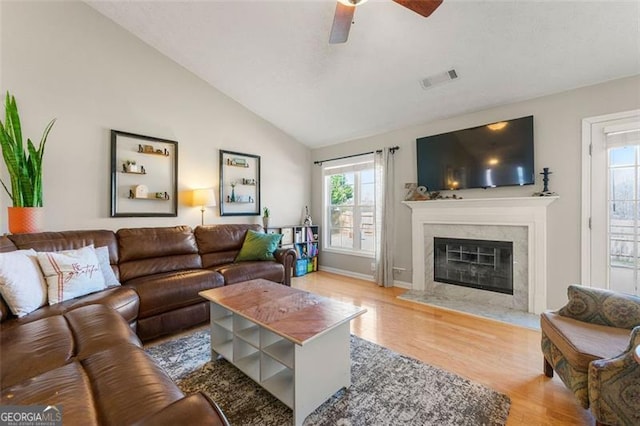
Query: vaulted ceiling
274,58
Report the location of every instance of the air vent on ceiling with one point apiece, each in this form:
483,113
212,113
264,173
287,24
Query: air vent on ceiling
439,78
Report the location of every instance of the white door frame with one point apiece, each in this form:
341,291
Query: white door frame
587,140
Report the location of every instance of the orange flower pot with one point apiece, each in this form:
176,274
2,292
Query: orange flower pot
26,220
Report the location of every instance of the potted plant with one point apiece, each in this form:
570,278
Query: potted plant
25,171
265,218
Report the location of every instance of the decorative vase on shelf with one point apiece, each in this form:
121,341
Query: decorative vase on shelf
265,222
233,195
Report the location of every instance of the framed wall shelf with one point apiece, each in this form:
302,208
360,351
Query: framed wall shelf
144,176
239,184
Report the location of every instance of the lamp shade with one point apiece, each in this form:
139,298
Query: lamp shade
204,197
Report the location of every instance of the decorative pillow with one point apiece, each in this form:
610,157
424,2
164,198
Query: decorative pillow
110,279
21,282
71,273
258,246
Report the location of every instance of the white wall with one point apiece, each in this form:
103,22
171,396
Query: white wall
65,60
557,128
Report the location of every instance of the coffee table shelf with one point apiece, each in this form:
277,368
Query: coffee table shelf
249,365
224,348
282,351
251,335
225,322
280,385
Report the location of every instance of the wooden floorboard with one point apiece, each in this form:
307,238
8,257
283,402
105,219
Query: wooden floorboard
504,357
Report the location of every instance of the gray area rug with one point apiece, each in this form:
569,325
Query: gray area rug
498,313
387,389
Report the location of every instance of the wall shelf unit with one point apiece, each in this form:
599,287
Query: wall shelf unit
137,162
239,184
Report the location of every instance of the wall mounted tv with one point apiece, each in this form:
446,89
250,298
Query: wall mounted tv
496,154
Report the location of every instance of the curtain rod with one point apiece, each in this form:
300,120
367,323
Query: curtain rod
392,149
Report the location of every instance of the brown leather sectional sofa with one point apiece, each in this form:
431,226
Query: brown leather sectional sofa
86,353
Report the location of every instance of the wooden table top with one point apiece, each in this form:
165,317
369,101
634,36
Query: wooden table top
294,314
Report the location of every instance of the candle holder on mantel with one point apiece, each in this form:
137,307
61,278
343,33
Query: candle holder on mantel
545,180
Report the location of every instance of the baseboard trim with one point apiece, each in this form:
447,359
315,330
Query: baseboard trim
364,277
347,273
402,284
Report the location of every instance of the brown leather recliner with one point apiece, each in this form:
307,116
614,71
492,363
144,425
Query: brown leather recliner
164,268
122,299
220,244
82,353
89,362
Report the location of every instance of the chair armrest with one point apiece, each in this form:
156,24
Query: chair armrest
612,385
604,307
193,409
287,257
634,339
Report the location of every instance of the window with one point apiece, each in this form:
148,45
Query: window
349,206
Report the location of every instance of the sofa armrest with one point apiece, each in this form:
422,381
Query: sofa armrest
287,257
604,307
196,409
612,386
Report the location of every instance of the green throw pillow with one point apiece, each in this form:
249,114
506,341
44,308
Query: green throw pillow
258,246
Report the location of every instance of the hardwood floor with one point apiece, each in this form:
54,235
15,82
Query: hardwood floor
504,357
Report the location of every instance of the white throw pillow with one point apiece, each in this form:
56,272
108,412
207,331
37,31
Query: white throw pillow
110,279
71,273
21,282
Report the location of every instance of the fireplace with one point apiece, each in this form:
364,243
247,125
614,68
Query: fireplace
481,264
522,220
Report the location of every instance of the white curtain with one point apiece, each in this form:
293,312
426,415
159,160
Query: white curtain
385,229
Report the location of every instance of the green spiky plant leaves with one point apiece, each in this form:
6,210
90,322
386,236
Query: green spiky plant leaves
24,167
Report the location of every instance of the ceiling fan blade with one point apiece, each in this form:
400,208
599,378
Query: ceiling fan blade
422,7
341,23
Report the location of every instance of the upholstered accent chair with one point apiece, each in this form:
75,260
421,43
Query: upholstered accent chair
590,343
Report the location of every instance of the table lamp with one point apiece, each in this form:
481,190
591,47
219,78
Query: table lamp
204,198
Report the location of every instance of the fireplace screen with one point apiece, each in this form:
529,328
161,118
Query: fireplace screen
487,265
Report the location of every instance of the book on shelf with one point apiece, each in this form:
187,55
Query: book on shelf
306,250
301,251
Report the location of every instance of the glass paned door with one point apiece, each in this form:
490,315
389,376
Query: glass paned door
622,229
611,202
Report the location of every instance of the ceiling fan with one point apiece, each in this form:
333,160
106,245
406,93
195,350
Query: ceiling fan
346,8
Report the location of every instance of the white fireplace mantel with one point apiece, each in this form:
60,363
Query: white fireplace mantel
530,212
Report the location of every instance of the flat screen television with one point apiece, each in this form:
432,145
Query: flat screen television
496,154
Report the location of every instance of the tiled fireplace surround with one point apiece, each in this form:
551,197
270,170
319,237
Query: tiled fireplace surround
522,220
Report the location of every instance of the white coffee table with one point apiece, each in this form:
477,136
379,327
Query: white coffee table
294,344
